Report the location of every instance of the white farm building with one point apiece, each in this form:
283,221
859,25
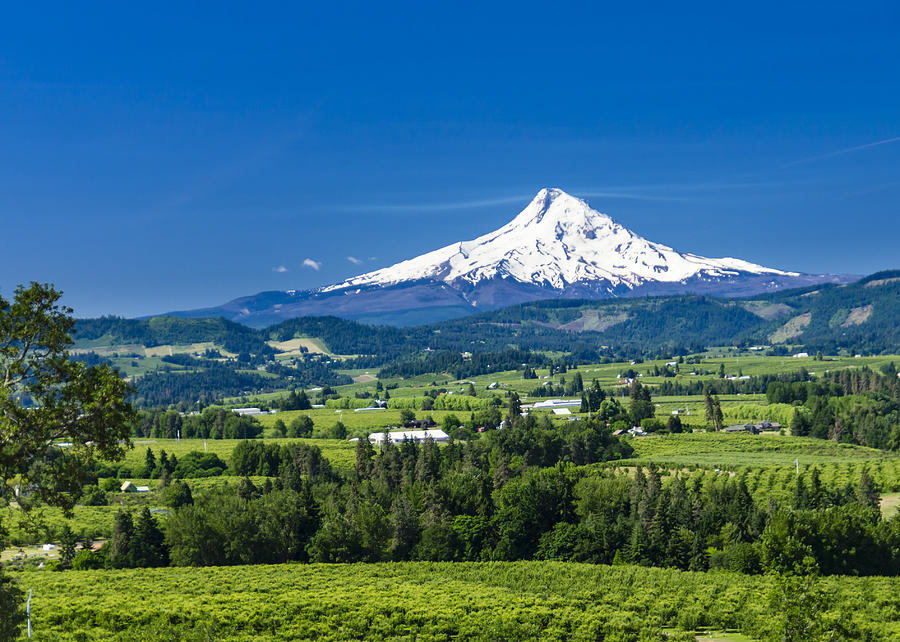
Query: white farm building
558,403
398,436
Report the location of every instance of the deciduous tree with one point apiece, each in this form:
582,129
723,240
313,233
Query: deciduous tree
45,398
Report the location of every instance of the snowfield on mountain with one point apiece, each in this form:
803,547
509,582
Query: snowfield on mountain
557,247
557,241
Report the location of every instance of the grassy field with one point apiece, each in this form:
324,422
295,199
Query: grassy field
890,504
737,408
292,347
423,601
769,462
608,375
426,601
732,451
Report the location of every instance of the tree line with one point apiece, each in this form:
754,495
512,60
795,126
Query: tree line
500,502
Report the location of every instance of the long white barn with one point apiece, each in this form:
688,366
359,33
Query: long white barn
398,436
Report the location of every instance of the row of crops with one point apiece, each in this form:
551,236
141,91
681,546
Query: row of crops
435,601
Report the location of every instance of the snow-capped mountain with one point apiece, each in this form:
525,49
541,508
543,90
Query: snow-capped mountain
558,241
557,247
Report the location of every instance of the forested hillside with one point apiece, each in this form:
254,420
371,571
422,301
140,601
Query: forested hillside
157,331
859,317
349,337
188,360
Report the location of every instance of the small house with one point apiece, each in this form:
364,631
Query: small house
128,487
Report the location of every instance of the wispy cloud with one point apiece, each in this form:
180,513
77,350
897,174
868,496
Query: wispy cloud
312,264
434,207
846,150
489,202
354,260
659,192
279,268
635,197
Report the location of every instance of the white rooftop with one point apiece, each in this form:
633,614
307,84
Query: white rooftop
557,403
398,436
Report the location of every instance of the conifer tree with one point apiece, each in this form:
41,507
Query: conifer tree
867,491
149,464
148,547
121,542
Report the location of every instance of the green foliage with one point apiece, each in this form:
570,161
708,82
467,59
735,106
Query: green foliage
163,330
11,614
491,600
178,495
344,337
45,397
87,560
800,604
211,381
212,423
301,426
199,464
452,361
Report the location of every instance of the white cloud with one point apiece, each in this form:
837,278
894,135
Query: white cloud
354,260
434,207
522,199
846,150
312,264
279,268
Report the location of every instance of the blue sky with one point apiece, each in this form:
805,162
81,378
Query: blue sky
164,157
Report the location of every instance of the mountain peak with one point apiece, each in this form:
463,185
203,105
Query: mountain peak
552,206
553,193
558,241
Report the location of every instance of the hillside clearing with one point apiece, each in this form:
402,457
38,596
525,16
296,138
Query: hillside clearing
793,328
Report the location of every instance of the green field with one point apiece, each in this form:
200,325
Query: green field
523,600
608,376
429,601
734,451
